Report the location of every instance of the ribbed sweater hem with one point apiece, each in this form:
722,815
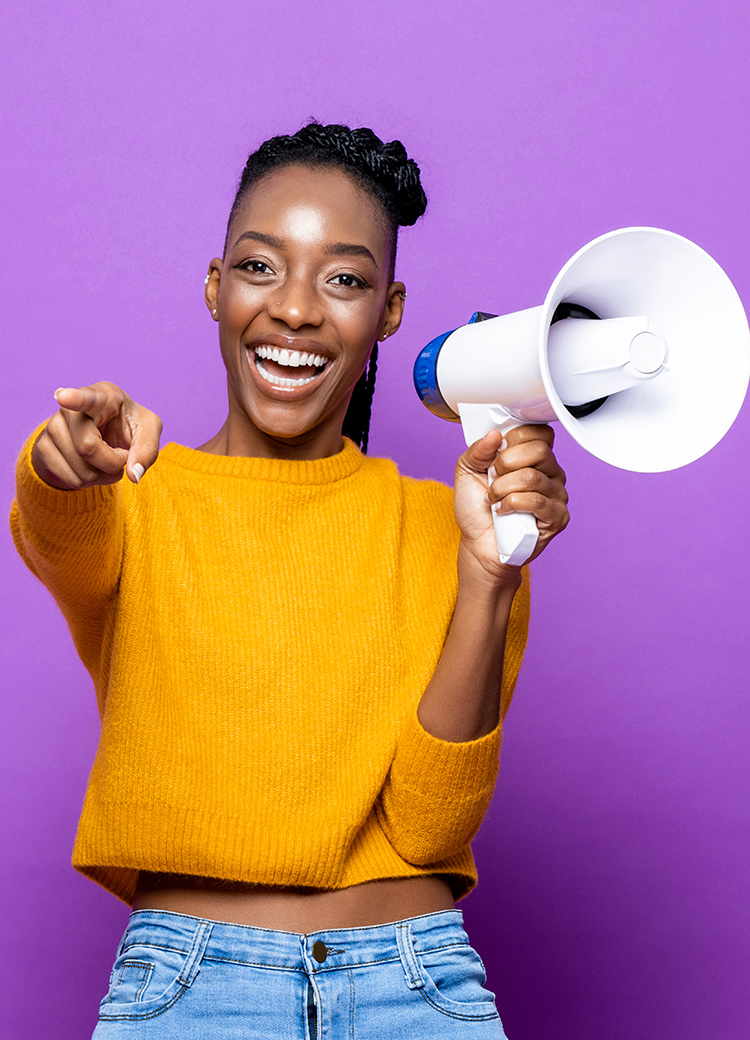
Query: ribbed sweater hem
118,841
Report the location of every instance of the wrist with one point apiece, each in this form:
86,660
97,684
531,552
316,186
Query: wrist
478,580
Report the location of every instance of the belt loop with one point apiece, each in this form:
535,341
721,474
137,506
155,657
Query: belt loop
192,965
409,963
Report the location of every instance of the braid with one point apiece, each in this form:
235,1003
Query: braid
384,170
357,418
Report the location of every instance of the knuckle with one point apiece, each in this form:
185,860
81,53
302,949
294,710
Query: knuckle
521,501
533,479
542,453
560,523
88,444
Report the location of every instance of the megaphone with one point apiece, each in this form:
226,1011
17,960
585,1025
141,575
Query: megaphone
641,350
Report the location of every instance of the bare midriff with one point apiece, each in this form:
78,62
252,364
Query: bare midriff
294,910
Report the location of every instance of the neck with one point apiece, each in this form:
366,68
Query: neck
239,437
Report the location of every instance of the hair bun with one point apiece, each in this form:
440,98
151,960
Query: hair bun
383,169
384,166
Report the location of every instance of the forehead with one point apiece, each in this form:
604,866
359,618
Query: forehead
312,205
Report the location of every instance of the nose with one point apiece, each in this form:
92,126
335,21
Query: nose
296,303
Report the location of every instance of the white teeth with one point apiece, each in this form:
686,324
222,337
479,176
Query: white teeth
290,358
280,381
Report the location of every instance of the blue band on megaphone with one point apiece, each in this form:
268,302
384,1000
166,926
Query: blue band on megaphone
425,379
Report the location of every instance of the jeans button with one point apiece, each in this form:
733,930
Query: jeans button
319,951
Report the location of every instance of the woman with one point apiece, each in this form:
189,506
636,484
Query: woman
297,652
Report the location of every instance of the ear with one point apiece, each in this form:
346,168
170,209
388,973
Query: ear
393,311
211,294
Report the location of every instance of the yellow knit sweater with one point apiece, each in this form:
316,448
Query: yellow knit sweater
259,634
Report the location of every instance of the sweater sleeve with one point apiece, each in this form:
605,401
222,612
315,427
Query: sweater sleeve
437,792
73,542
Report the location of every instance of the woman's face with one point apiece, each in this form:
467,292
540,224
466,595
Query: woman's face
301,296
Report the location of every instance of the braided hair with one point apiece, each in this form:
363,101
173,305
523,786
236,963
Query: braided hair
384,171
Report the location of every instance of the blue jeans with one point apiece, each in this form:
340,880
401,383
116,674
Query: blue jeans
184,977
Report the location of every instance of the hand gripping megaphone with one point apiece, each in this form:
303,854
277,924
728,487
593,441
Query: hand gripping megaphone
641,350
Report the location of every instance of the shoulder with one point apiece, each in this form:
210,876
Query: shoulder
426,494
426,506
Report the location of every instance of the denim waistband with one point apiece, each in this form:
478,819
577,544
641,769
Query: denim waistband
312,953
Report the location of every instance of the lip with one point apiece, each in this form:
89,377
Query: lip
299,343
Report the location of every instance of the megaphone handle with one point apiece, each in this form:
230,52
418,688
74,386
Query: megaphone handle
515,533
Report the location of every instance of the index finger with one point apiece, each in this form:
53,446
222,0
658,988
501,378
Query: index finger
529,452
530,432
100,401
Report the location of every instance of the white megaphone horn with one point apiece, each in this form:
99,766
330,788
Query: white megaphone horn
641,350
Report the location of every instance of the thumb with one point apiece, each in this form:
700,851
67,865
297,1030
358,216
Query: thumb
479,456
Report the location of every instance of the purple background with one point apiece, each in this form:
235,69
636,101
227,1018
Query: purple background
613,899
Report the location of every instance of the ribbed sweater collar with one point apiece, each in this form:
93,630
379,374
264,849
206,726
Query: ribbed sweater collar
316,471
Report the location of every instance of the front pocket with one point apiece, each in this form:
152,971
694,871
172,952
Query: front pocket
454,983
450,979
149,978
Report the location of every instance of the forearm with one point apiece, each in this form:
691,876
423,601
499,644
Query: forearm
463,699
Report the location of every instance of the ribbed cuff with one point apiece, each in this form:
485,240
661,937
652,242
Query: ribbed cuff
33,495
426,763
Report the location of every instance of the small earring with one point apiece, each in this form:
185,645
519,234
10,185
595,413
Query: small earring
384,337
205,280
214,312
403,295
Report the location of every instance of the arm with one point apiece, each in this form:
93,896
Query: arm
463,700
66,520
443,774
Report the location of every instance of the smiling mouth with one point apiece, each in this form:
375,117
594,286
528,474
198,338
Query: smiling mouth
268,361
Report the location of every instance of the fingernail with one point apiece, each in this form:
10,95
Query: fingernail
498,506
492,473
138,472
486,498
58,391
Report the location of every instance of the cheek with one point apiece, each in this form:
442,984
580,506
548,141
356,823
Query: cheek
358,327
239,307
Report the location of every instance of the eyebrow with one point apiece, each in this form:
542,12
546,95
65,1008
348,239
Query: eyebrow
258,236
334,249
349,249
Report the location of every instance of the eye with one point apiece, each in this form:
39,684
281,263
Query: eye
255,267
349,281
